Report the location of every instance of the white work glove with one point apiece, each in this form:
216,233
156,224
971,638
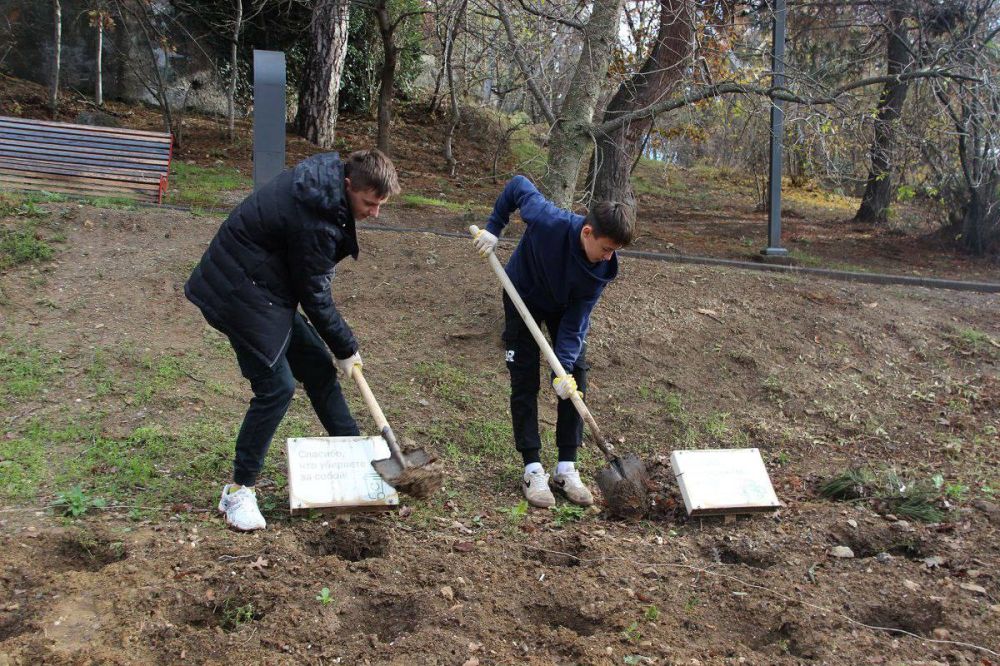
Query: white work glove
485,242
346,365
565,387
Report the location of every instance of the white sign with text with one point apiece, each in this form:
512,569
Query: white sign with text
336,472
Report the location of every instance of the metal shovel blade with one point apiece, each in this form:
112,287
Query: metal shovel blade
624,484
411,473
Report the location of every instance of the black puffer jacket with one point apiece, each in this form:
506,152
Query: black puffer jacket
275,251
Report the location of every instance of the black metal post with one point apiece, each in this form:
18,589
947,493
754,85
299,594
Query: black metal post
777,133
268,116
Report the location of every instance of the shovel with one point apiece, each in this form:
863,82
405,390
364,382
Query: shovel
407,472
624,481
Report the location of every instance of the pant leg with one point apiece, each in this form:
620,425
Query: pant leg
311,364
522,363
569,423
273,388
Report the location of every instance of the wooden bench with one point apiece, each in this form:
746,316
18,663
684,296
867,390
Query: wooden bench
83,160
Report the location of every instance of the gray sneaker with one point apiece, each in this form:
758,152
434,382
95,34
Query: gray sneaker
536,490
570,485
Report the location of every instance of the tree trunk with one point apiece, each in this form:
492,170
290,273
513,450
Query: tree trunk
618,151
570,137
317,115
387,82
99,61
56,56
234,70
450,31
878,194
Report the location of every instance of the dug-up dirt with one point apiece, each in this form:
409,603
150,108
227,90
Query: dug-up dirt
821,376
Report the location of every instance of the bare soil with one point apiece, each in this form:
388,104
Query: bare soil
818,375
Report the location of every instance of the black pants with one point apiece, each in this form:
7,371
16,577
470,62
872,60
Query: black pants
522,356
306,359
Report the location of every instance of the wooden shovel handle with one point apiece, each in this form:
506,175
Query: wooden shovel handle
380,421
543,344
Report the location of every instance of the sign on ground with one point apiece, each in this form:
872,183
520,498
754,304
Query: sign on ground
721,481
336,473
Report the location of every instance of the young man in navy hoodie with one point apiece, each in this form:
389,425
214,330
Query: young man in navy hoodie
560,267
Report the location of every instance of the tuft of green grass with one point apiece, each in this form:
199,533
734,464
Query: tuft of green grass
568,513
847,485
23,243
446,381
415,200
193,184
25,370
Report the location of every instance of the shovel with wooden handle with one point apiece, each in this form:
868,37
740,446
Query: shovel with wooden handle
624,481
406,472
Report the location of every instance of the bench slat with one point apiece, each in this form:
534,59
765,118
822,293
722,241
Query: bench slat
158,149
70,149
91,176
34,166
91,161
160,137
68,187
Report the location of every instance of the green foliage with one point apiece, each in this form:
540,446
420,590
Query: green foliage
847,485
361,78
568,513
22,243
917,500
324,597
204,185
652,613
75,502
235,615
632,633
26,371
516,513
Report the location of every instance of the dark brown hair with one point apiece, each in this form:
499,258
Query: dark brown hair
612,220
371,170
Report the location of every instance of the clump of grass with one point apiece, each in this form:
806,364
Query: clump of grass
23,243
916,500
848,485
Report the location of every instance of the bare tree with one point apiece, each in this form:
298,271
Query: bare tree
390,19
101,20
453,22
618,149
317,115
56,56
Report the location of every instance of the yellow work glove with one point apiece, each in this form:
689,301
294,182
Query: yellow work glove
565,387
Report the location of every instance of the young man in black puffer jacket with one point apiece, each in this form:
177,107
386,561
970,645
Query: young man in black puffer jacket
275,252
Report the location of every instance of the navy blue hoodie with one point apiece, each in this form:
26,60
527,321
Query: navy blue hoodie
549,267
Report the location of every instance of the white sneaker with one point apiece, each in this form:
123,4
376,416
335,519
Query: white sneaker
570,485
536,490
241,509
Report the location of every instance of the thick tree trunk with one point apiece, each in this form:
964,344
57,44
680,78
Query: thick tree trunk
317,116
570,139
56,56
618,150
387,81
234,70
878,194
